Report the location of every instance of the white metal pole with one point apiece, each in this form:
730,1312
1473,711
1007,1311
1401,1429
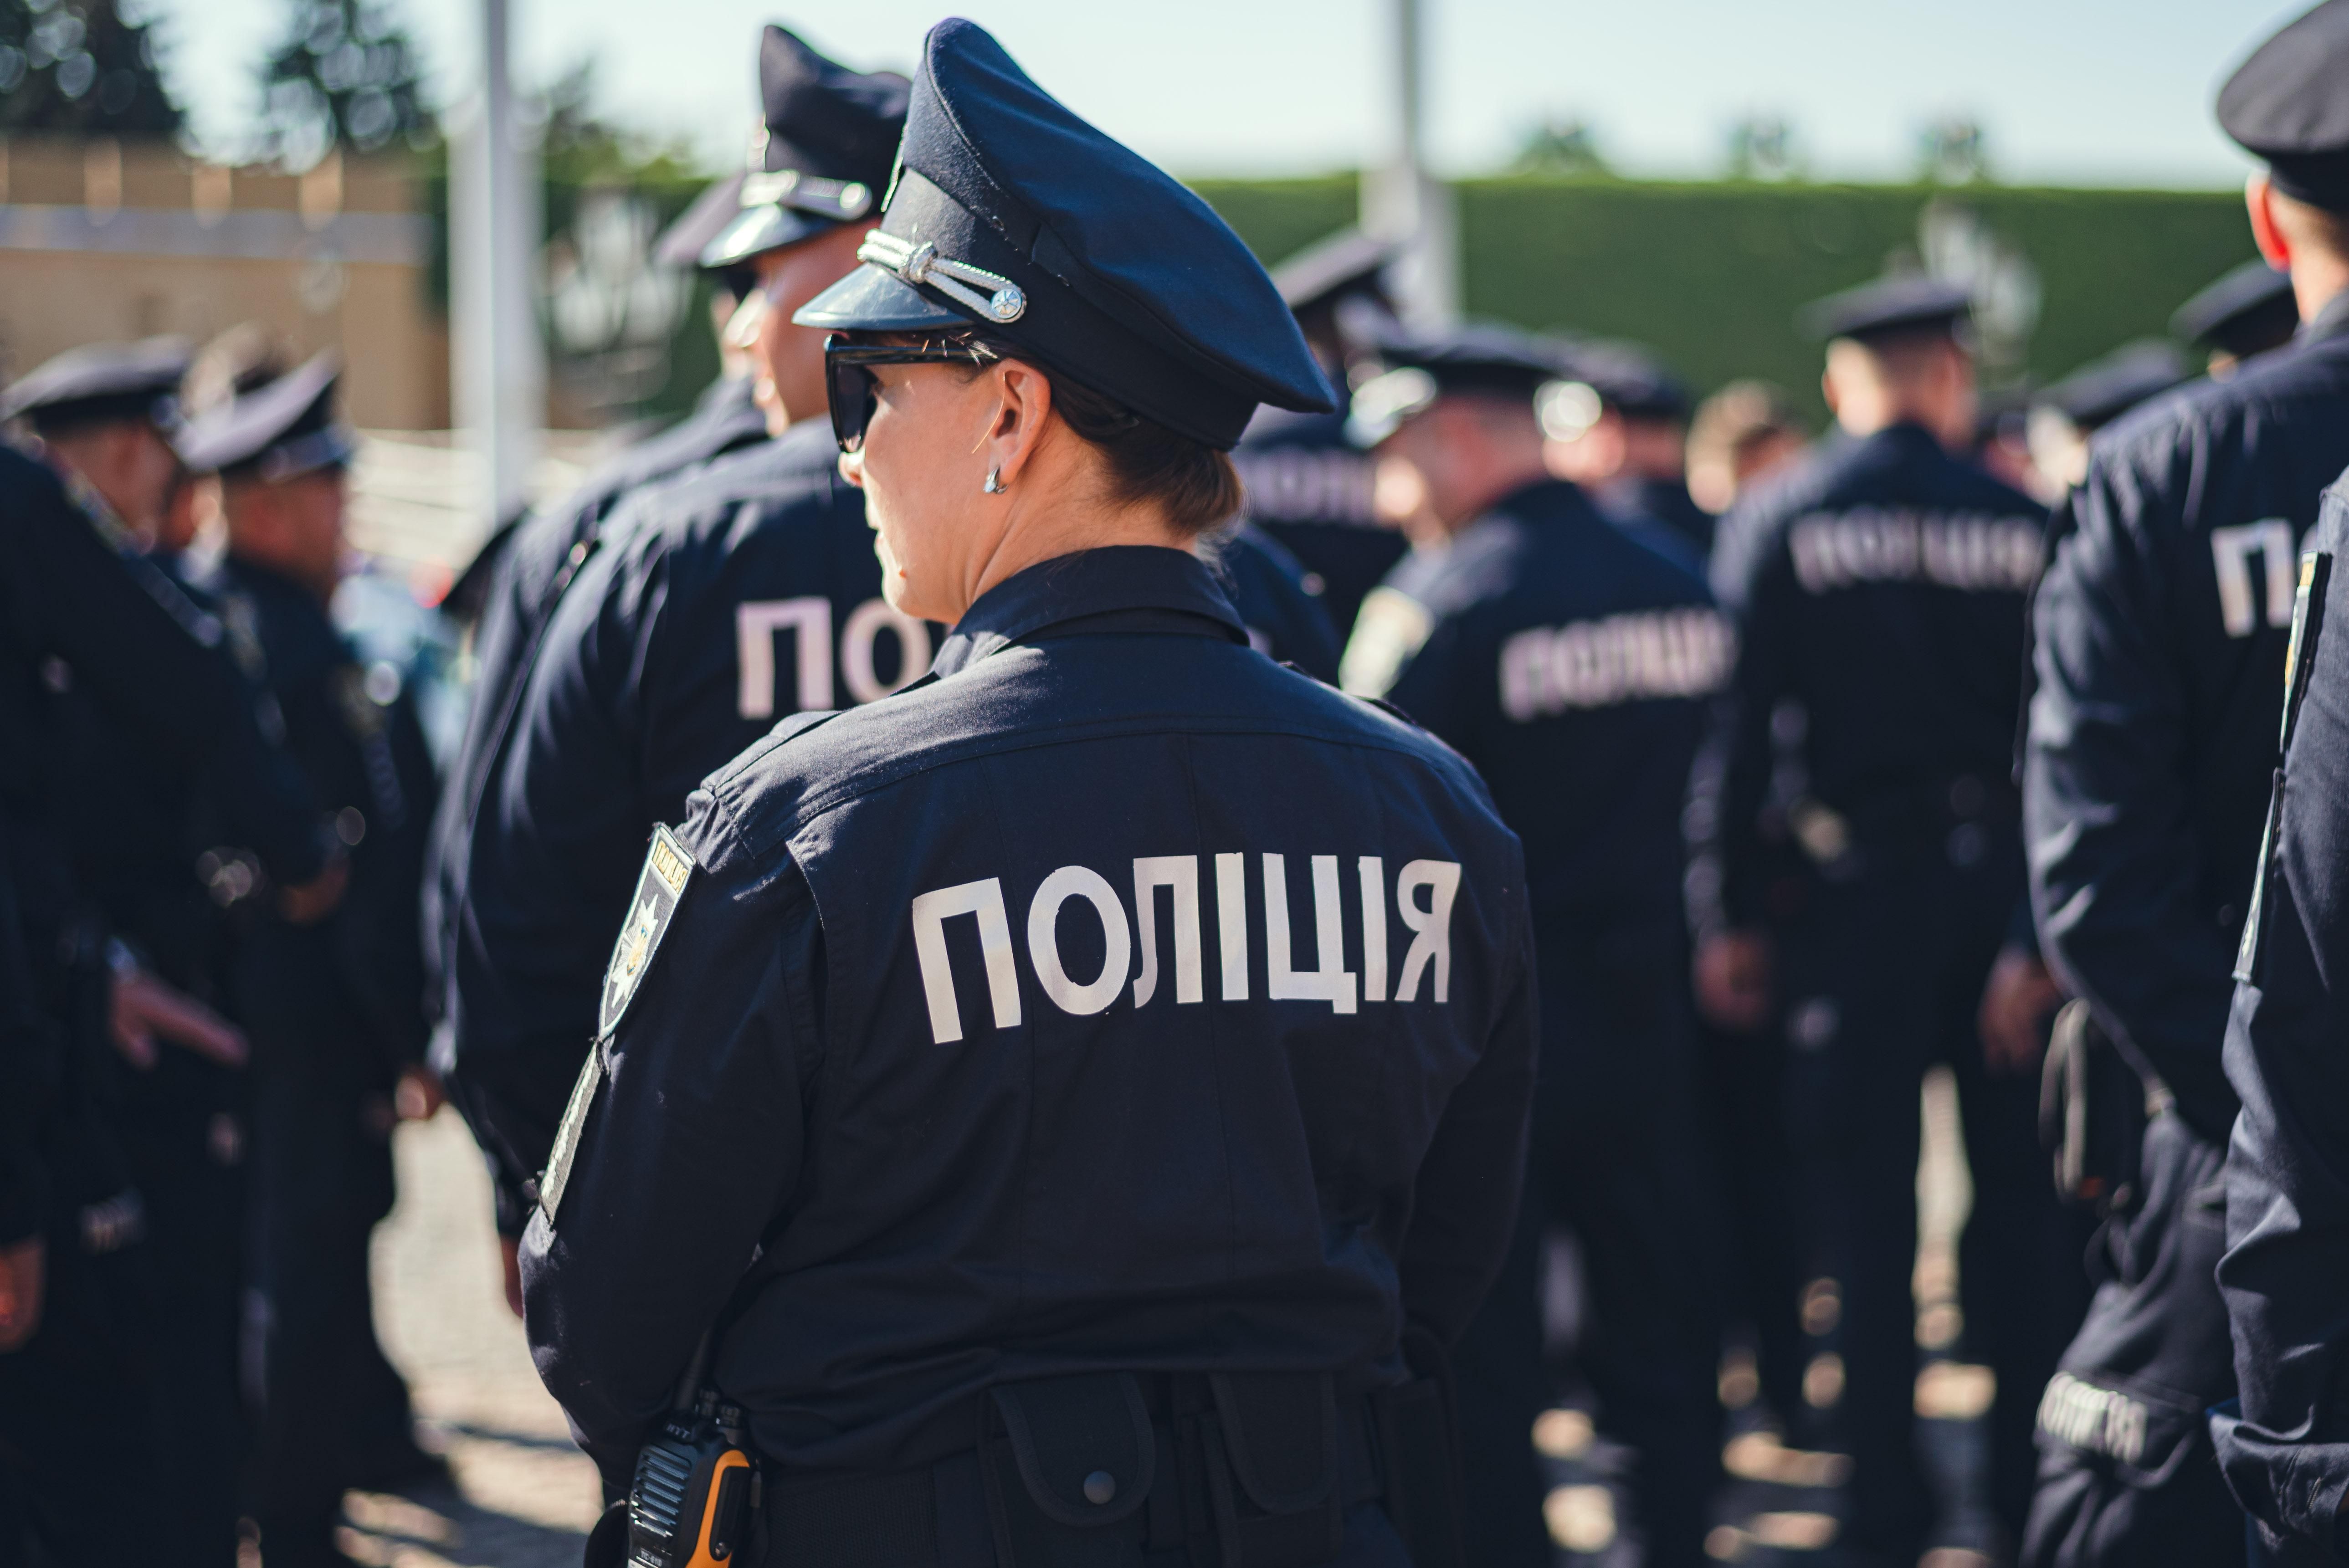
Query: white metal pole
1403,202
497,363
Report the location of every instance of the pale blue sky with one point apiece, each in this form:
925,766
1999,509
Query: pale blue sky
2071,91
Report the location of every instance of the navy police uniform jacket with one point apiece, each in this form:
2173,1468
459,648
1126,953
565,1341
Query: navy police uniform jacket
722,602
1664,506
1877,591
2286,1271
2159,656
546,552
1282,613
1573,666
1310,488
341,999
1114,999
76,616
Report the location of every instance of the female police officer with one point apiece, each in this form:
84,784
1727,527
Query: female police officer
1077,1087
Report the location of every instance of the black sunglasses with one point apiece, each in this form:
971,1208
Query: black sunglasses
849,384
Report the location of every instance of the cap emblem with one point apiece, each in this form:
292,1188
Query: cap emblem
844,200
922,264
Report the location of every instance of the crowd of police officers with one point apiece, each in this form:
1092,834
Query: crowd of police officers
1867,765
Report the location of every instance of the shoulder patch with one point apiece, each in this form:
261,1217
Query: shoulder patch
659,888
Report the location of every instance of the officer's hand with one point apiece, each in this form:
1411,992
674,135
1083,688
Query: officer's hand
144,1009
510,1254
418,1096
1733,980
21,1270
2017,1003
315,899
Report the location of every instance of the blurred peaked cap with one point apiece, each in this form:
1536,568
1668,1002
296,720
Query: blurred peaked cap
821,155
1415,368
1330,266
102,381
2104,389
1628,379
682,243
2289,104
1885,306
1010,212
279,430
2250,309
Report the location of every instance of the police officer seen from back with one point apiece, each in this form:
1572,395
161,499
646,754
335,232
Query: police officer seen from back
1308,486
1572,665
1085,1091
335,1009
90,635
1617,423
1858,858
714,604
2247,312
2162,624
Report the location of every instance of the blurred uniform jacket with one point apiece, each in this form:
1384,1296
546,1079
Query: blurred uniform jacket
1878,591
1267,585
2286,1272
1662,504
1309,487
1572,665
2160,634
343,995
543,552
74,615
1030,1022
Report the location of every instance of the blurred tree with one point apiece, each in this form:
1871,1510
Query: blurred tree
1761,147
80,66
343,75
1952,151
1560,146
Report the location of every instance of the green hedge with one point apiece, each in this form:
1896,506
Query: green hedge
1711,275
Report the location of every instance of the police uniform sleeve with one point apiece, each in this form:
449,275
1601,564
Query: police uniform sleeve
2286,1271
1439,684
135,651
688,1150
1754,580
1463,1205
2115,863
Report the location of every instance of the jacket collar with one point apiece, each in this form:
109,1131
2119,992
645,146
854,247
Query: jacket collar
2331,320
1116,579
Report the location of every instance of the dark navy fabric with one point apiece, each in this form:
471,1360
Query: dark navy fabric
546,549
722,602
1280,609
1854,808
2286,1270
1309,487
2161,627
1573,666
897,1094
1662,515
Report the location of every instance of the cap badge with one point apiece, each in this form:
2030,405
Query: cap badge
844,200
922,264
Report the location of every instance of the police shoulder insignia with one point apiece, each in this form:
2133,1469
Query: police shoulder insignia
658,888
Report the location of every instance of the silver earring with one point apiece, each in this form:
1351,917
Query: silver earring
994,485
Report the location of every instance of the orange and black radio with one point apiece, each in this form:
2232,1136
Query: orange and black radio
696,1496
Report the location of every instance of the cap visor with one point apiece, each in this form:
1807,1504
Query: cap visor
762,229
872,300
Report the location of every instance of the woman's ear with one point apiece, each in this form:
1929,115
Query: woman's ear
1025,401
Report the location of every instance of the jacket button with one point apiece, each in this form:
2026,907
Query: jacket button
1100,1487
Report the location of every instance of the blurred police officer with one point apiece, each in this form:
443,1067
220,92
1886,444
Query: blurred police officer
2161,629
2066,413
1572,665
335,1009
1308,486
2241,315
2287,1176
1059,1255
715,605
1617,424
80,622
1859,856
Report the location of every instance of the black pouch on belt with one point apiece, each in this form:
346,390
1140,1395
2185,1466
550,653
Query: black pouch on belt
1272,1469
1419,1450
1067,1469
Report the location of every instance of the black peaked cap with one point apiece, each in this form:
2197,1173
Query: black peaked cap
277,431
691,232
1008,212
102,381
1334,264
1887,307
2104,389
1416,367
2289,104
821,156
2250,309
1628,379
